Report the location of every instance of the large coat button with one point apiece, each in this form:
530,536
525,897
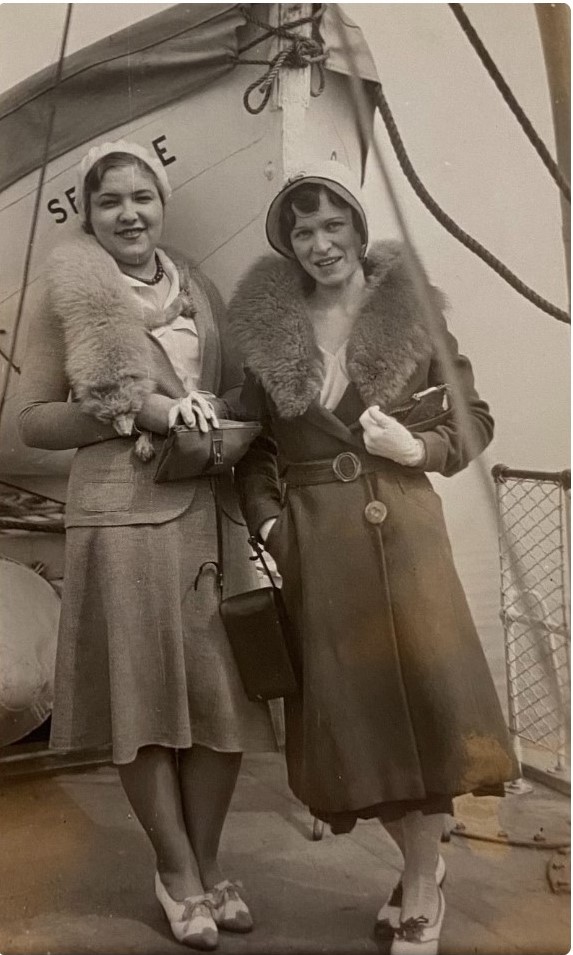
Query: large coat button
375,512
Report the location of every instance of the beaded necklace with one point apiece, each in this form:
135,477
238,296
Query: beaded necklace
159,273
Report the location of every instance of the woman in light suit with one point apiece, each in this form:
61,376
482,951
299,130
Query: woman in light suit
143,663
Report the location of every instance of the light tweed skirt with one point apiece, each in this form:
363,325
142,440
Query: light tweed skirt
143,657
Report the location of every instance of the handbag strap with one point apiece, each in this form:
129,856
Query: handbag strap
219,524
259,552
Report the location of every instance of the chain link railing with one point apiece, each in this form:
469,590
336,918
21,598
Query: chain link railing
533,518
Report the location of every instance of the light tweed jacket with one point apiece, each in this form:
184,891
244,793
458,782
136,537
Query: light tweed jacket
108,485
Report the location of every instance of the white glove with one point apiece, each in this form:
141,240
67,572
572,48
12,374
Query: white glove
193,409
386,437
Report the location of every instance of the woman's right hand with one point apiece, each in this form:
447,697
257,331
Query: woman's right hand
193,409
266,527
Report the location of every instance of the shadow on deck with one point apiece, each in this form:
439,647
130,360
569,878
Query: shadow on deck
76,873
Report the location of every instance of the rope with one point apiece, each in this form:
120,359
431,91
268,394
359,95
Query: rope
432,317
508,96
17,487
36,211
46,527
306,51
452,227
6,358
303,51
285,32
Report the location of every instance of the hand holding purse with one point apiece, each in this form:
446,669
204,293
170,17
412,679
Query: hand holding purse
387,438
425,409
194,409
389,434
190,452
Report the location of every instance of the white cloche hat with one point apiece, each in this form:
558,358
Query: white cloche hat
336,177
119,146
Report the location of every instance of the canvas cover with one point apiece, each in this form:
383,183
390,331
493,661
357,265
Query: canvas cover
137,70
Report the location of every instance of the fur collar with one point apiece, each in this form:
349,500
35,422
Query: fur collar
80,273
108,359
270,324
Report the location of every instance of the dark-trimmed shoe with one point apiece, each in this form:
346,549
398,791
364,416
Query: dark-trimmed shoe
191,920
230,911
418,936
388,918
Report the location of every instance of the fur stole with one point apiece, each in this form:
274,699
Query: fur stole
108,361
269,322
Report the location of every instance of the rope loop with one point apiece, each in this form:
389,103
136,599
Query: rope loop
304,51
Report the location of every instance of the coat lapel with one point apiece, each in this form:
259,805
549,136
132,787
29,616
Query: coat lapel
327,421
195,305
207,331
167,381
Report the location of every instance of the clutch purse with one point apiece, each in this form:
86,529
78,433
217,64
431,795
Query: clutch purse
189,452
425,409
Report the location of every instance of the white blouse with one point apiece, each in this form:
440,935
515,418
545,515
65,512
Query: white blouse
336,378
179,338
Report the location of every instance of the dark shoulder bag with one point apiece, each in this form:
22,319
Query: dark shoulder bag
258,628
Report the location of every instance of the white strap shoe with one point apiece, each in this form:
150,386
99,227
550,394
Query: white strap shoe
417,936
191,921
388,918
230,910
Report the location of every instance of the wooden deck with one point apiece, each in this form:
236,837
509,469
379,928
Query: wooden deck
76,873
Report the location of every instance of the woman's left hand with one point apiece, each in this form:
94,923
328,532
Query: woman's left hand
194,409
387,438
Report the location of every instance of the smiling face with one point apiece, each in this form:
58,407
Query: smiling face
326,242
126,215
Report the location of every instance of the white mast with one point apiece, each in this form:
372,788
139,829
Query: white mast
293,92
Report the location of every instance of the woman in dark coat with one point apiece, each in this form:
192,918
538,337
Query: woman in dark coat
144,665
397,712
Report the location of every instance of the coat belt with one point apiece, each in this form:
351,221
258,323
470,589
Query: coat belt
346,466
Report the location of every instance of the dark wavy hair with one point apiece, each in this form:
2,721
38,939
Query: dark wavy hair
306,198
94,179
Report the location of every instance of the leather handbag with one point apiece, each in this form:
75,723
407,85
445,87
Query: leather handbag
189,452
259,631
255,623
425,409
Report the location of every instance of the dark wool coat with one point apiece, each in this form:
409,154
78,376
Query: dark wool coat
397,707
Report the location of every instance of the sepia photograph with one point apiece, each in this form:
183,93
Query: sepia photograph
285,478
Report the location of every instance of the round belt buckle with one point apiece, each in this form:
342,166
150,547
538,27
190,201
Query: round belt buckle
347,466
375,512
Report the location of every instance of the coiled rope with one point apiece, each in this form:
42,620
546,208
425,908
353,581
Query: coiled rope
303,51
508,96
452,227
